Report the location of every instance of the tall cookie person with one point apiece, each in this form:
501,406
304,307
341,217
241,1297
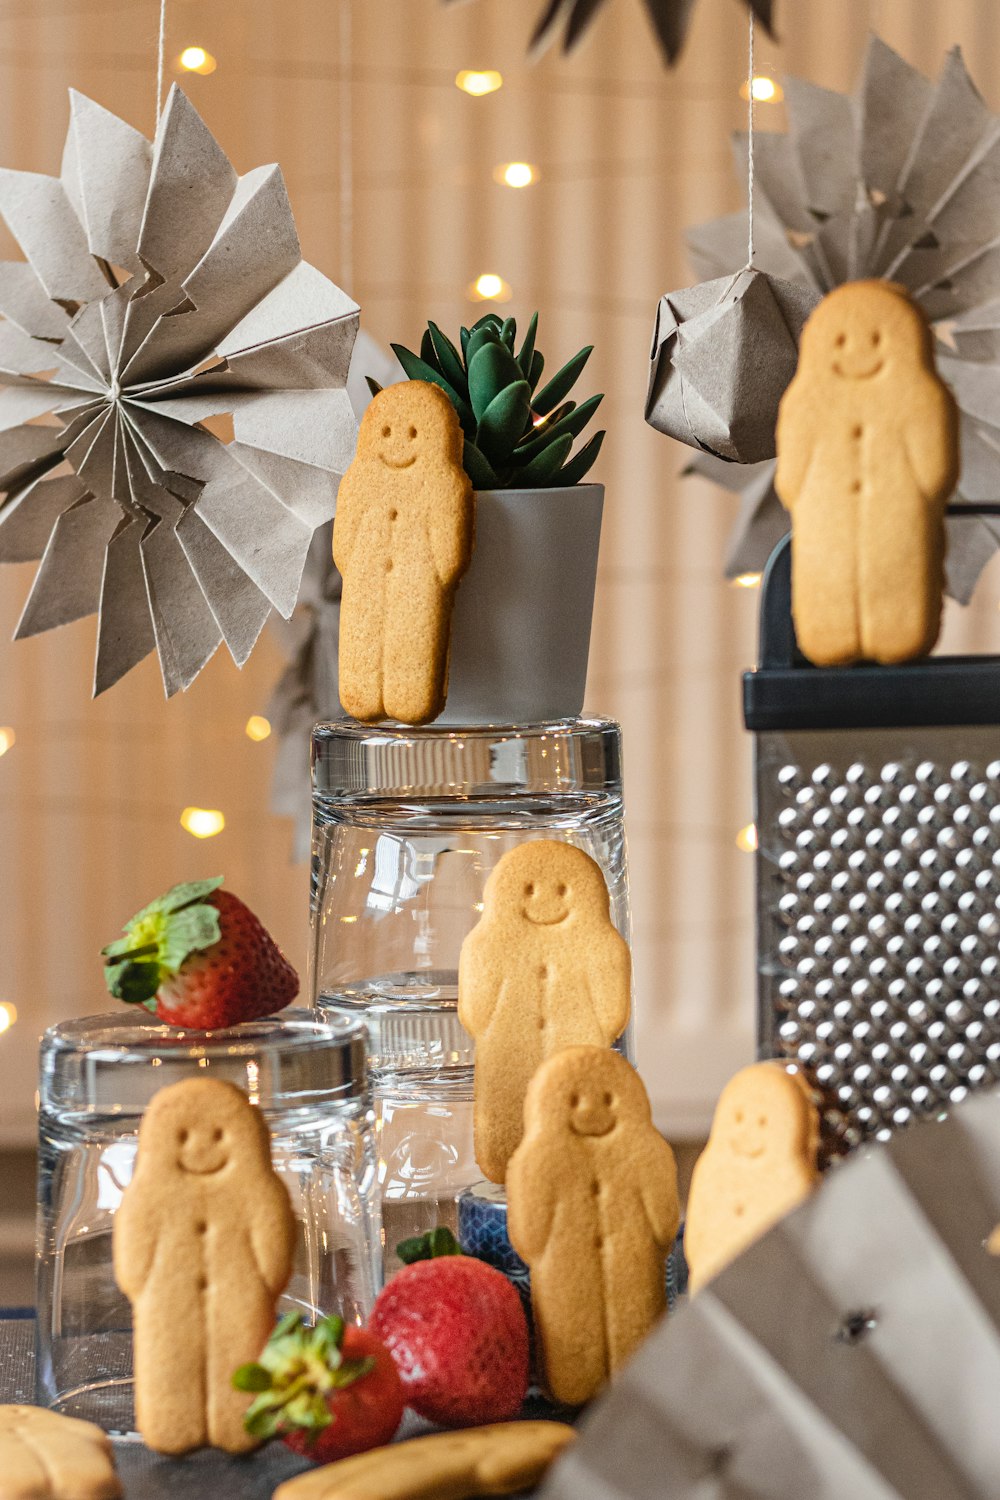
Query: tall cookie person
402,539
592,1209
543,969
867,457
202,1243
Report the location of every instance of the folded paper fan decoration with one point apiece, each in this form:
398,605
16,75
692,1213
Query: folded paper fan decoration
896,181
669,19
161,293
853,1351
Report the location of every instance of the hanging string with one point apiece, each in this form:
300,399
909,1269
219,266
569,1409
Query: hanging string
345,101
159,61
750,78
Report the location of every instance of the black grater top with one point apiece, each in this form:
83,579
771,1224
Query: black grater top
786,692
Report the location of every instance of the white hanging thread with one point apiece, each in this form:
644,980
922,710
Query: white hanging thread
750,78
346,269
159,61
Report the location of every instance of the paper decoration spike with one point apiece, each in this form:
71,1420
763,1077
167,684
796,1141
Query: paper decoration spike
160,291
670,19
894,181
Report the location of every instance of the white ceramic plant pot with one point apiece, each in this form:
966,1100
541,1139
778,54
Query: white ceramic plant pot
521,624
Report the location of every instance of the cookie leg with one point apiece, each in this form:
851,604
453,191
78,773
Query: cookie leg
504,1068
825,588
902,582
360,653
417,632
634,1295
572,1347
237,1330
170,1376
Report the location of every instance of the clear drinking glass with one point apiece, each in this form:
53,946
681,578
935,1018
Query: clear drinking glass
307,1075
407,826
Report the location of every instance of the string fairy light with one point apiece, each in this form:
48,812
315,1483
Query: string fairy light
478,83
202,822
489,287
515,174
7,739
257,728
197,60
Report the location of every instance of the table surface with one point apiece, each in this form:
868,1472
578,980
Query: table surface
208,1475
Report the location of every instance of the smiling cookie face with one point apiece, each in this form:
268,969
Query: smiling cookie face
548,886
763,1113
202,1126
407,424
589,1091
863,330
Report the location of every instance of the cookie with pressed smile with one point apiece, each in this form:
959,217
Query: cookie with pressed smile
402,539
761,1161
592,1208
543,969
867,443
202,1241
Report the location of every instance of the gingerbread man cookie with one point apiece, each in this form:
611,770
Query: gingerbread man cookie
203,1242
45,1456
759,1164
867,456
499,1460
402,539
592,1209
544,968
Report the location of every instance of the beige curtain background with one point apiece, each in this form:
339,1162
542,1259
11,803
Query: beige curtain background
91,793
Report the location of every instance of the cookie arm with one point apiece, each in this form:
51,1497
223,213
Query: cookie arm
450,524
346,521
612,1000
930,436
479,983
794,445
658,1188
532,1183
135,1236
272,1237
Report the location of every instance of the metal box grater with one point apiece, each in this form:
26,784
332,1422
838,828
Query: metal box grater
878,874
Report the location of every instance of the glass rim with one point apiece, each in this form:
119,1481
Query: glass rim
112,1063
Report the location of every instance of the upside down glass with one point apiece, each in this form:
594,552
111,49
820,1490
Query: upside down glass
308,1077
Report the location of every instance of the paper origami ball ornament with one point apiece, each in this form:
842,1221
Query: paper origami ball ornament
162,292
723,353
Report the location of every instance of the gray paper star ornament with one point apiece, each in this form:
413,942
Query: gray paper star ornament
162,296
896,181
723,353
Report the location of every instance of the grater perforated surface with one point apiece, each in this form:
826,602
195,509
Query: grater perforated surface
879,918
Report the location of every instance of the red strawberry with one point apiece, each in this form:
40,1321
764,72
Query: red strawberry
457,1331
327,1391
199,957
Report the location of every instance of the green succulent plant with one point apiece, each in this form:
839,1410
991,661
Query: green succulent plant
517,436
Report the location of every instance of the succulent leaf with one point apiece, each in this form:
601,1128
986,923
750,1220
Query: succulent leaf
581,463
503,421
537,366
479,468
508,333
427,350
484,334
526,355
449,361
493,369
562,382
373,385
542,470
573,421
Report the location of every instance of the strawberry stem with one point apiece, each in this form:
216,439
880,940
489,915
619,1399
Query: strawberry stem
429,1246
295,1373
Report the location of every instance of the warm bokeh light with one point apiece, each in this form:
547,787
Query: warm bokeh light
203,822
489,288
746,581
746,839
765,90
197,60
257,727
7,739
8,1015
476,83
515,174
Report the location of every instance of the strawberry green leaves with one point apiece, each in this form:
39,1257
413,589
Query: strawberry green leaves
159,938
296,1373
516,436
